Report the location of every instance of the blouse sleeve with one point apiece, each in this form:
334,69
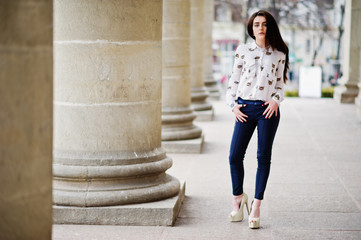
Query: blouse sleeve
278,94
234,79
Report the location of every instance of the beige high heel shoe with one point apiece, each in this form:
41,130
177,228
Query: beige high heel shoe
253,222
237,216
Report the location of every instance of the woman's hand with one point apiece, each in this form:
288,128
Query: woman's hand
240,116
271,108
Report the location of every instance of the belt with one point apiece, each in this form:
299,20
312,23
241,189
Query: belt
250,102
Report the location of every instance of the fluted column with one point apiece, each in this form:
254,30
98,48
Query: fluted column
348,90
199,92
107,129
177,114
26,93
209,81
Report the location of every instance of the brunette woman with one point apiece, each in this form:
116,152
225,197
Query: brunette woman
255,91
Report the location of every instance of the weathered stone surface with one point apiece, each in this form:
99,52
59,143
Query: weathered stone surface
107,111
158,213
120,22
184,146
209,82
199,92
26,86
358,98
177,115
348,89
178,124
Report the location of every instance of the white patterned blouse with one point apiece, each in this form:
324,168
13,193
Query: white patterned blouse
257,74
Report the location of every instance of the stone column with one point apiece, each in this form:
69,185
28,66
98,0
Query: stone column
356,7
26,93
107,116
179,134
209,81
358,99
199,92
348,90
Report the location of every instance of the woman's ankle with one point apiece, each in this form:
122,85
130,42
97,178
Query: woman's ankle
256,203
256,206
236,201
238,196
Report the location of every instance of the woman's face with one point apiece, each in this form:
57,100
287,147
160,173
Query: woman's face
260,28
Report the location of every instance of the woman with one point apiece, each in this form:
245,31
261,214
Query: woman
254,93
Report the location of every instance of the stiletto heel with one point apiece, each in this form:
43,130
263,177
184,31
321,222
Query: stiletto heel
253,222
247,208
237,216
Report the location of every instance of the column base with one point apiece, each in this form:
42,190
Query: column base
177,124
358,102
213,89
214,92
201,107
159,213
216,95
345,93
184,146
206,115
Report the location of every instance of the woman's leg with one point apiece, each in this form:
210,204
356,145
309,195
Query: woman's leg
266,129
241,136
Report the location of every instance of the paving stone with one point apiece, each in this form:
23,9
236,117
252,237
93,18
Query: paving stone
355,193
316,220
295,234
102,232
313,191
193,228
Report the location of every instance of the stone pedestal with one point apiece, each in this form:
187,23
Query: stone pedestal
107,116
26,121
199,92
209,81
348,89
178,129
158,213
346,92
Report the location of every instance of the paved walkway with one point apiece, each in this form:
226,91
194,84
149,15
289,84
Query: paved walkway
314,189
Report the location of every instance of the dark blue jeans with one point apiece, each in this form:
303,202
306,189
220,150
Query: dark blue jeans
266,129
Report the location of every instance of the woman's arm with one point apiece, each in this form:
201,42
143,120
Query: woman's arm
233,81
278,94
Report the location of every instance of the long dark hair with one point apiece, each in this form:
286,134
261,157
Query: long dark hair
273,35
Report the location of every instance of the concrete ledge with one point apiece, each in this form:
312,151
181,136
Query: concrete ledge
159,213
184,146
